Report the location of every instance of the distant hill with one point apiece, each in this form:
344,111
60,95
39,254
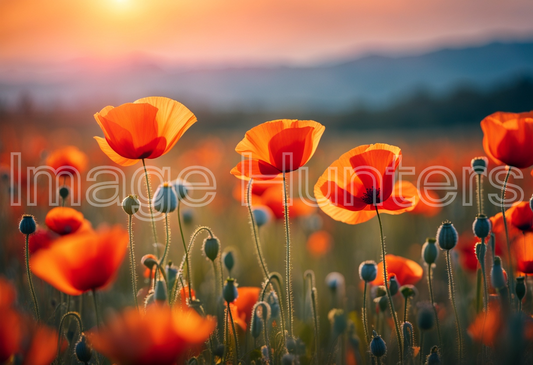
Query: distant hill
376,81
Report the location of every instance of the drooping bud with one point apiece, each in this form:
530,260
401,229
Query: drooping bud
408,338
193,361
482,226
434,357
211,247
447,236
172,276
338,321
378,348
83,350
480,250
426,317
496,274
229,260
479,165
182,188
230,292
165,199
430,251
261,216
260,316
368,271
408,291
149,261
160,294
394,286
273,301
64,192
131,204
27,224
520,287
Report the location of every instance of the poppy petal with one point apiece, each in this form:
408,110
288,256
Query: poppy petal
404,198
115,157
254,169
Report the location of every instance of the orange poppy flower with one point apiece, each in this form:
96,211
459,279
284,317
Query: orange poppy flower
319,243
507,138
10,321
486,330
425,206
65,220
277,146
361,179
161,336
42,238
147,128
40,345
407,271
67,160
523,251
273,198
521,216
243,305
82,261
8,294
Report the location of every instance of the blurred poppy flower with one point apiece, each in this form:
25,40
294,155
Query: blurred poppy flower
407,271
42,238
161,336
426,205
319,243
521,216
277,146
146,128
67,160
467,251
184,295
486,330
507,138
243,305
273,198
10,333
64,220
362,179
82,261
523,251
39,347
8,294
498,228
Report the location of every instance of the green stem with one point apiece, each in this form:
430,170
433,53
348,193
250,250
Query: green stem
80,325
30,280
452,297
148,189
509,258
421,347
186,252
386,283
405,306
132,262
365,324
288,279
430,270
95,301
275,276
309,274
234,335
254,230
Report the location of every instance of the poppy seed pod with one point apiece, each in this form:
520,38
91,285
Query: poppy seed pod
426,317
261,216
211,247
131,204
447,236
64,192
520,287
229,260
479,165
165,199
160,294
430,251
481,226
230,292
434,357
368,270
496,274
182,188
394,286
27,224
408,291
83,350
378,348
338,321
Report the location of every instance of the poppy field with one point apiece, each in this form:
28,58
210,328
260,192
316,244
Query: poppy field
144,238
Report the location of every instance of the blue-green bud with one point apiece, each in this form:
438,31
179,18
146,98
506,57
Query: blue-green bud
447,236
378,348
131,204
187,216
172,275
229,260
496,274
479,165
338,321
260,315
426,317
211,247
481,226
273,301
288,359
520,287
434,357
160,291
83,350
230,292
182,188
430,251
64,192
27,224
261,216
165,199
394,286
368,271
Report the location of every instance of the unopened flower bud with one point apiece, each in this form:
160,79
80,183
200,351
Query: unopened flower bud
378,346
408,336
408,291
165,199
288,359
447,236
434,357
338,321
150,261
496,275
335,281
481,226
83,350
430,251
160,294
187,216
368,271
262,216
64,192
182,188
211,247
520,287
480,250
426,317
273,301
260,315
27,224
131,204
394,286
479,165
380,291
230,292
229,260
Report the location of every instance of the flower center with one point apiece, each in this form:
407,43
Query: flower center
371,196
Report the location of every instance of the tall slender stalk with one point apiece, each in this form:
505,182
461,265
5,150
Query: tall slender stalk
186,252
167,240
421,347
234,336
288,278
365,324
254,229
452,297
149,190
430,285
386,283
274,276
509,258
80,325
30,280
132,262
310,275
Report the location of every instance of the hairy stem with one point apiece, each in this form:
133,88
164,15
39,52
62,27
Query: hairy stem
365,324
310,275
509,258
452,297
288,279
30,280
430,285
80,325
234,336
186,251
149,190
132,262
274,276
254,229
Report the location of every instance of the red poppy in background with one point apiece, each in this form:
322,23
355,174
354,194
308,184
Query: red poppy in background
406,271
64,220
67,160
146,128
10,321
507,138
42,238
82,261
243,305
273,198
523,251
319,243
426,205
161,336
485,328
521,216
361,179
277,146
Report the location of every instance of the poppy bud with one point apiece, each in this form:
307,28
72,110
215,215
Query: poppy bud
433,358
520,287
150,299
182,188
261,216
64,192
160,291
394,286
265,354
149,261
229,260
381,291
479,165
219,351
290,344
256,326
131,204
273,302
172,275
368,270
378,346
288,359
211,247
335,281
447,236
338,321
408,291
430,251
481,226
260,314
496,274
165,199
230,292
383,303
480,250
187,216
83,350
27,224
426,317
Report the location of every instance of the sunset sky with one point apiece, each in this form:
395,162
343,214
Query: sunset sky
248,31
